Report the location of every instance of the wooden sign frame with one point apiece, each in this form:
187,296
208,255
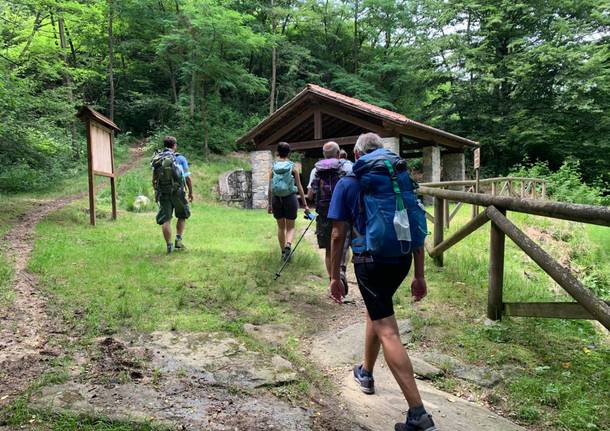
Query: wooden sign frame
100,154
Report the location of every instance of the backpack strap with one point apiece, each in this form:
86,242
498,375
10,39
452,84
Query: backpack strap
399,201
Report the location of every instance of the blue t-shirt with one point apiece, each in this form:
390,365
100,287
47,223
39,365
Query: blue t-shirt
184,165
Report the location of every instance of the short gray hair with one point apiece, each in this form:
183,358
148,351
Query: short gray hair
368,142
331,149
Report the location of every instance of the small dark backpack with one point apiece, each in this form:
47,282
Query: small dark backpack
167,174
328,173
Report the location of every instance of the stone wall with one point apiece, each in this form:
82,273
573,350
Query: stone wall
261,166
235,188
392,144
454,168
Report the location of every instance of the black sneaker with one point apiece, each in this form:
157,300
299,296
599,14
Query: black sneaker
286,254
343,278
423,423
364,379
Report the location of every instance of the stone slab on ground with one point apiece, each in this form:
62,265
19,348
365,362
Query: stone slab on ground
381,411
346,346
185,381
481,376
272,333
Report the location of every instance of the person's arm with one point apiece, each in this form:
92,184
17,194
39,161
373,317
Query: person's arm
337,241
419,289
310,191
297,178
189,186
269,196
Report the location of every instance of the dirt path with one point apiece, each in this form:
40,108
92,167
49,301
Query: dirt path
28,334
340,345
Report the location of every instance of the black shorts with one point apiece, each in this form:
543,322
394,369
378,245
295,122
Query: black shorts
324,228
285,207
378,282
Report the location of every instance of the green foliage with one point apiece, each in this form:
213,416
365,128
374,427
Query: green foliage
529,80
566,184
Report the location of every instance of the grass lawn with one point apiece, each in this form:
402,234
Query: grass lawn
116,277
563,380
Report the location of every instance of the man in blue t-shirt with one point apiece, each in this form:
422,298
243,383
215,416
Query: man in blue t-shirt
175,201
378,279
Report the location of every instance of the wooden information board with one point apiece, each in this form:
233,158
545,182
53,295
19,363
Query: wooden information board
100,141
477,158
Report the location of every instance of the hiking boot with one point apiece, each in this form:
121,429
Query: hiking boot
286,254
178,245
364,379
170,248
423,423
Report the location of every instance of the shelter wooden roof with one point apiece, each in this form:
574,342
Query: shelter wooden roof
317,115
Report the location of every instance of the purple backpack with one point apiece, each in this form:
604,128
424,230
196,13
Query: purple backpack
328,174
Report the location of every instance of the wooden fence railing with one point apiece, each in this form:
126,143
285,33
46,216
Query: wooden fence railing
587,305
518,187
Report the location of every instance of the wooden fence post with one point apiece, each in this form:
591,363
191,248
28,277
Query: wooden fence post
439,211
496,271
446,213
543,197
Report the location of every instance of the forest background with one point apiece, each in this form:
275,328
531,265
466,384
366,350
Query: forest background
530,80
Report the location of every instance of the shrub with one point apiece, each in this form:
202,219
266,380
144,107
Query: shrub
566,184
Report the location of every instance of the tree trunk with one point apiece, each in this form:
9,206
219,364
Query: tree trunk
172,82
273,62
204,122
356,5
68,83
110,61
193,85
37,22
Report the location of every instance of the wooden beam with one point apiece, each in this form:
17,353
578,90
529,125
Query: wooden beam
413,132
343,115
497,241
562,276
462,233
560,310
317,125
438,228
592,214
286,128
318,143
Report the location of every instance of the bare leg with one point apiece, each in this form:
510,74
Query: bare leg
180,224
281,232
397,359
371,346
289,231
166,228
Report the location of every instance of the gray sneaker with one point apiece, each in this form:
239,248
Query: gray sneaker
170,248
178,245
364,379
423,423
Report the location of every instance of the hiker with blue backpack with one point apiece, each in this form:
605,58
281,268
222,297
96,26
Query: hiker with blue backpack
170,178
388,231
324,178
284,184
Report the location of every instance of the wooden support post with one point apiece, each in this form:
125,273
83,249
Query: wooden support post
496,272
91,179
475,208
446,213
317,125
113,196
438,227
493,189
598,308
543,196
522,189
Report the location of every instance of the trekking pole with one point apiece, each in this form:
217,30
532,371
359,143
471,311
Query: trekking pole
308,216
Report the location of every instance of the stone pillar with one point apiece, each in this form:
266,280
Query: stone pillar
392,144
432,164
432,168
454,168
261,166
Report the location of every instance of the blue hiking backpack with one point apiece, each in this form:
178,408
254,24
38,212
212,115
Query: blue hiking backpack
395,219
282,181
